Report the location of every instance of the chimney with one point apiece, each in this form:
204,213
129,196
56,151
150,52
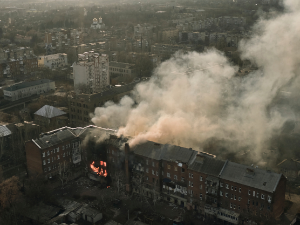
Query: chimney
127,150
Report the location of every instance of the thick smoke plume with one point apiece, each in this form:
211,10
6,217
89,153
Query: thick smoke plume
193,98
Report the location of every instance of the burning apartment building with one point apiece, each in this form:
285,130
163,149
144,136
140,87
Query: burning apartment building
195,180
57,151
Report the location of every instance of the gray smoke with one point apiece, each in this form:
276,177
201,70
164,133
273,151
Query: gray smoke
193,97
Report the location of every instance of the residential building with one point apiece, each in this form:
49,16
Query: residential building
57,151
17,62
82,105
91,71
192,37
49,118
227,190
290,168
166,50
144,30
53,61
26,89
122,71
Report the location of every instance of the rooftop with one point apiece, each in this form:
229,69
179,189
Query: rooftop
22,85
165,152
49,112
120,64
265,180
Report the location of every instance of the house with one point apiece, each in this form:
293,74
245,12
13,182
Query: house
91,215
50,117
290,168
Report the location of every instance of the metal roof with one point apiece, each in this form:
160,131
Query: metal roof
4,131
253,177
49,112
166,152
22,85
207,165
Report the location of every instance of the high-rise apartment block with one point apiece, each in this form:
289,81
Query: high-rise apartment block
91,72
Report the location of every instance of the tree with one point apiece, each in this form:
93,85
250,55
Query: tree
10,200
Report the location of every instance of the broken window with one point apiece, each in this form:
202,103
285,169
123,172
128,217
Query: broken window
48,160
175,177
168,175
262,196
57,156
44,154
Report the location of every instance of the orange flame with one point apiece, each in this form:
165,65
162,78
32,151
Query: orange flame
98,170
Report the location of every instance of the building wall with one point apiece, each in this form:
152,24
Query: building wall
279,198
33,158
29,91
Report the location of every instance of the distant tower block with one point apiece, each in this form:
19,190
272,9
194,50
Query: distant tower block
95,21
100,20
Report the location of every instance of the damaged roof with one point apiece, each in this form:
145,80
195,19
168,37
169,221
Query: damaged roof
49,112
63,134
208,165
265,180
290,164
167,152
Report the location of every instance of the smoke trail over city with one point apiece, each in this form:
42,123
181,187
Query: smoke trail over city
194,97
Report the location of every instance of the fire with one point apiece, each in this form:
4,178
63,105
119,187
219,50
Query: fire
108,187
98,170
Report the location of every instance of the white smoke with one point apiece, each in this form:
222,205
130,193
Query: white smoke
193,97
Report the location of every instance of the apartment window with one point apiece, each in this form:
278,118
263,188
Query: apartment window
48,153
231,187
182,179
239,207
200,196
233,206
63,147
215,201
162,172
253,193
234,188
240,190
231,196
239,199
248,201
201,179
156,173
48,160
257,195
175,177
147,178
249,192
175,168
57,149
190,175
269,198
262,196
226,195
168,175
147,171
64,155
52,159
44,162
221,193
182,170
57,156
200,186
221,184
153,172
192,184
230,205
234,197
227,186
44,154
153,164
169,166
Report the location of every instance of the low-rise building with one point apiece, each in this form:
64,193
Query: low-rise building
26,89
49,118
53,61
123,71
